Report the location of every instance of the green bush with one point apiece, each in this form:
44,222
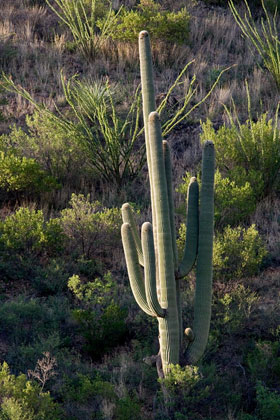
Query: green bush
51,278
98,292
21,399
248,152
161,24
264,362
90,228
268,403
101,332
101,321
185,389
128,408
26,234
234,201
234,308
238,252
49,144
28,244
29,327
23,175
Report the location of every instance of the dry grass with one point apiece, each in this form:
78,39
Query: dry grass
215,43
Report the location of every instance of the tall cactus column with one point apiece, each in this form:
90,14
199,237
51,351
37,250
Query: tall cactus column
158,292
169,325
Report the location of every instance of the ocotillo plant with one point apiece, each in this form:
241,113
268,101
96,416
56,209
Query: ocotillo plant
158,294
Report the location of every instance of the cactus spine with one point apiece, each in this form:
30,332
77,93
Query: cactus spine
158,294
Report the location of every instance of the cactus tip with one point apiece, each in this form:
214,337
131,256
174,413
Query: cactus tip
125,206
143,34
208,143
189,334
146,227
125,227
153,116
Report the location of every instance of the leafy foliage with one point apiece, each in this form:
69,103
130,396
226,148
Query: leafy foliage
248,152
149,15
102,321
90,228
25,233
268,403
20,174
49,146
234,201
22,399
238,252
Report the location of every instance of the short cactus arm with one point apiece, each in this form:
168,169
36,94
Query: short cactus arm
128,217
133,268
191,243
150,269
203,292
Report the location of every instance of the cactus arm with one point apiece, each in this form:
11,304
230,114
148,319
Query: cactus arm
127,217
191,243
203,292
150,269
169,326
168,175
133,268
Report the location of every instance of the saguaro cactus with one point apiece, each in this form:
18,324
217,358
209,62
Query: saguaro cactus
157,290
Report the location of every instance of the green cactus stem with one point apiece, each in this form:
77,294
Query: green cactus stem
157,288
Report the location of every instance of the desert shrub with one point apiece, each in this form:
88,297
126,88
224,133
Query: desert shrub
234,308
51,147
101,332
30,327
185,389
83,388
248,152
268,403
101,321
24,320
27,234
160,23
51,278
238,252
234,201
106,130
23,175
23,400
28,244
263,362
128,408
98,292
91,229
86,395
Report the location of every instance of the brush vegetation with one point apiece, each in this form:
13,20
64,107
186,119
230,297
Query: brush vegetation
73,343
